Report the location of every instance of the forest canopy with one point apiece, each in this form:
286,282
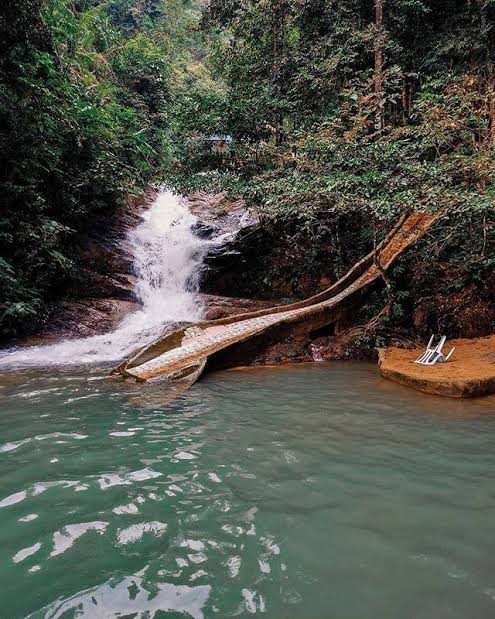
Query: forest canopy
87,91
381,104
338,110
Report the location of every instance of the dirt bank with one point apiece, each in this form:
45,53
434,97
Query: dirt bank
470,372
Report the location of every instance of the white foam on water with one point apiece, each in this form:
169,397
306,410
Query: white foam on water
167,262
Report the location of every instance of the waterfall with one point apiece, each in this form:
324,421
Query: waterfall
167,263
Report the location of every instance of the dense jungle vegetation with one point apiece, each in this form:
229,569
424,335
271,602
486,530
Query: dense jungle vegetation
343,115
346,114
87,93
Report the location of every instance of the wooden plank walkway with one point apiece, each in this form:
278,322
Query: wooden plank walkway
211,337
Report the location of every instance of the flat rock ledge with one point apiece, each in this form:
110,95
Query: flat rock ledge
469,373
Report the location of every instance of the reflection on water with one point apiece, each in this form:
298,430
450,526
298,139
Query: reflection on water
305,492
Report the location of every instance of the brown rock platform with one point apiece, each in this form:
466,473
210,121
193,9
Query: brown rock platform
469,373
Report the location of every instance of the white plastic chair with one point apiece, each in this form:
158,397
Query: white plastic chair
434,354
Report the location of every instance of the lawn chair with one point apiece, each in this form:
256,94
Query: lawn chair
434,354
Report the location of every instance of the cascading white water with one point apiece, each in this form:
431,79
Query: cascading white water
168,257
167,260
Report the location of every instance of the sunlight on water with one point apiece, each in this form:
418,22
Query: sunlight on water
315,491
167,262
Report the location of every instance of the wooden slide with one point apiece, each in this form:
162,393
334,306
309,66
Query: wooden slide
235,340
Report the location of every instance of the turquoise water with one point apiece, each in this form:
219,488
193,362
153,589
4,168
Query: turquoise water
311,492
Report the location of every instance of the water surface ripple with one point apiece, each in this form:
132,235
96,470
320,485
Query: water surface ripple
307,492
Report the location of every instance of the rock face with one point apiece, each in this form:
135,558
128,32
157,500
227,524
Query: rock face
276,259
217,214
444,304
83,318
252,261
104,291
470,372
253,264
229,267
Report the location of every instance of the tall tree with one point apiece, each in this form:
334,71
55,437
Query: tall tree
378,75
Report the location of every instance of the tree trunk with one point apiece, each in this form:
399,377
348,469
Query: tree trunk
488,140
277,34
379,107
490,88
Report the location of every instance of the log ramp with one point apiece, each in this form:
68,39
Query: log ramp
184,354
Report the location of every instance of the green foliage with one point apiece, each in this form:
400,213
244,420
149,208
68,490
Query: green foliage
301,104
85,98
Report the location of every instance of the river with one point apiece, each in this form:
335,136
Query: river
309,492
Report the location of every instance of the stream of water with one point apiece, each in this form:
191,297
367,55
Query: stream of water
318,491
167,263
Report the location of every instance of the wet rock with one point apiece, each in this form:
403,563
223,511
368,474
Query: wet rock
221,214
98,286
104,290
222,255
229,266
263,263
204,230
291,350
83,318
233,267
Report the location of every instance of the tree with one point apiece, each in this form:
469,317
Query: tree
378,79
